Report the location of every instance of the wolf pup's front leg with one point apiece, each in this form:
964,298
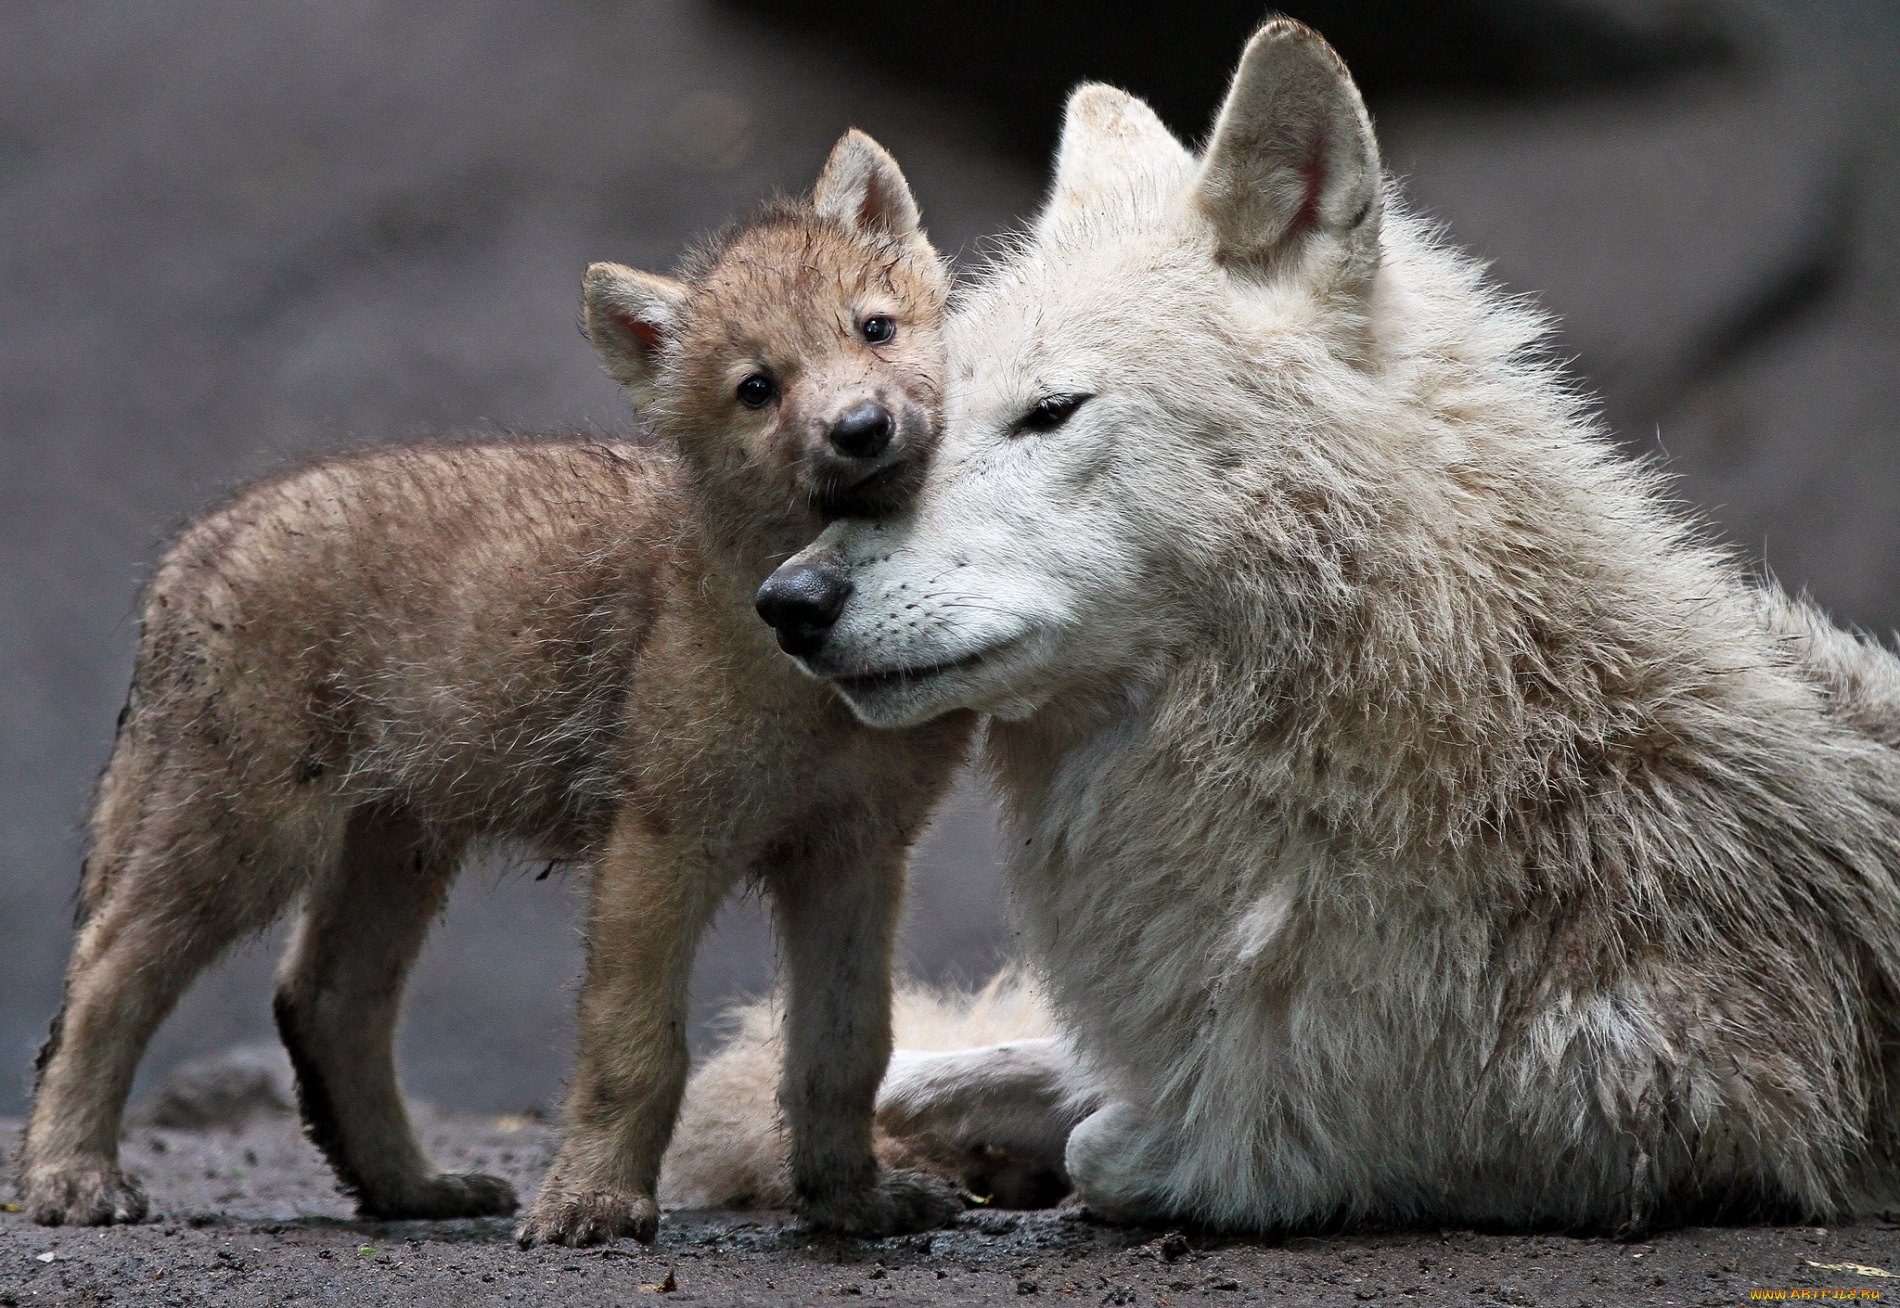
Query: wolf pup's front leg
650,904
837,920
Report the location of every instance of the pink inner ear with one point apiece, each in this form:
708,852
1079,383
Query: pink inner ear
1313,173
869,210
645,334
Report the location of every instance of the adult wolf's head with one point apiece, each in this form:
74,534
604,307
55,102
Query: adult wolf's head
798,361
1130,389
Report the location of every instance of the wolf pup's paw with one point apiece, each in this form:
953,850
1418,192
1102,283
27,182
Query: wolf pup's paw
598,1217
902,1201
445,1196
92,1196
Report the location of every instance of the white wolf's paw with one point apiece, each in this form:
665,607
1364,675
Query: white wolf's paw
445,1196
902,1201
84,1196
1010,1178
1113,1164
596,1217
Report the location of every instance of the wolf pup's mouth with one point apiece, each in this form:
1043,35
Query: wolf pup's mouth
878,494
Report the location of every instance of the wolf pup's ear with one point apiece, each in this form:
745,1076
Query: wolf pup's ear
1292,170
1113,145
631,318
862,188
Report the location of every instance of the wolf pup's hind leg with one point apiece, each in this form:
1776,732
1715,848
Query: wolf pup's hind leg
338,996
173,881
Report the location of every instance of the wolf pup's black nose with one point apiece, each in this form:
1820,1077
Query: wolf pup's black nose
800,602
862,433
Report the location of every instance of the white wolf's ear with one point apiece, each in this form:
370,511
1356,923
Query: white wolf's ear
631,318
1110,139
1292,164
862,187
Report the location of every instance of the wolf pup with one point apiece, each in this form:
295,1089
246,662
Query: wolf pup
1412,820
351,673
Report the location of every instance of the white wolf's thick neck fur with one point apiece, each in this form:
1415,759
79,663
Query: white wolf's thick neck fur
1410,819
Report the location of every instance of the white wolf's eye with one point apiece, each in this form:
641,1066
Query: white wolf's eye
878,329
1051,412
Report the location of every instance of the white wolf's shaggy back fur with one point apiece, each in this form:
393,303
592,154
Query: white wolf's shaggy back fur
1412,820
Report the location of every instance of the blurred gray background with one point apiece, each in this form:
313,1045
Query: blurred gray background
235,233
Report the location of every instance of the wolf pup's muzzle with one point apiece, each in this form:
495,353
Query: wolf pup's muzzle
869,463
801,601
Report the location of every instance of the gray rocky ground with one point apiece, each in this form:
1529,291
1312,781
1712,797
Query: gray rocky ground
249,1217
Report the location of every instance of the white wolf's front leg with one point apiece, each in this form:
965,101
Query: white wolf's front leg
1117,1159
997,1116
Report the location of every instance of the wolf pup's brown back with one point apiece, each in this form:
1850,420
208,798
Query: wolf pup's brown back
349,674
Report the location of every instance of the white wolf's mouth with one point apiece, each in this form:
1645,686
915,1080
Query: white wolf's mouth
868,684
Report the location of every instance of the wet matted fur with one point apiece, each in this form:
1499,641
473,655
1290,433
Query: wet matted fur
1411,818
350,673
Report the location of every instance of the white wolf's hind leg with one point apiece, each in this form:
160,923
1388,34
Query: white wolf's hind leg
338,995
998,1116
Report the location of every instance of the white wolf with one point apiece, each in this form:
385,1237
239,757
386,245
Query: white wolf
1412,821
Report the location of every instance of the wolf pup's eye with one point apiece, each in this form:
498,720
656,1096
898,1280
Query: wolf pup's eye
756,391
878,329
1051,413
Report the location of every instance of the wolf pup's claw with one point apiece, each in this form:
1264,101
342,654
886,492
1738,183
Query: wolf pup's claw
94,1196
599,1217
902,1201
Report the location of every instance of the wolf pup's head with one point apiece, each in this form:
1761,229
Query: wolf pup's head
1159,370
798,360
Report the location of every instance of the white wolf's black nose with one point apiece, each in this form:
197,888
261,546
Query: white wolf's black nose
800,602
862,433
